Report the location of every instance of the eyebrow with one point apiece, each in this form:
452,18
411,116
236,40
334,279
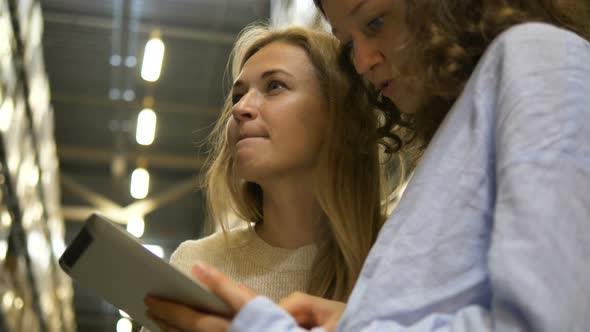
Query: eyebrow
353,12
264,75
357,7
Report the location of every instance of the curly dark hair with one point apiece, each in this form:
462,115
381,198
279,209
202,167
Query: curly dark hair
449,37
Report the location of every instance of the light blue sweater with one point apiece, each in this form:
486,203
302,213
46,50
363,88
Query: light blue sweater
493,231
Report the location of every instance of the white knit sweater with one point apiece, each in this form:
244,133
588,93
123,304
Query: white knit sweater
246,258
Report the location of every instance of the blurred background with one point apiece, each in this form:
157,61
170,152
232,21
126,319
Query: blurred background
104,105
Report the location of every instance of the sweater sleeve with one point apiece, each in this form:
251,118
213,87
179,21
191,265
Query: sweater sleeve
210,249
261,314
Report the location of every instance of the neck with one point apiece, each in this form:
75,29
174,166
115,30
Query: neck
291,214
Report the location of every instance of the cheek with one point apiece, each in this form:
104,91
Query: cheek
315,131
395,39
232,131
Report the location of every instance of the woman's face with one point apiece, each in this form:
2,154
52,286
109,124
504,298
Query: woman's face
279,114
375,32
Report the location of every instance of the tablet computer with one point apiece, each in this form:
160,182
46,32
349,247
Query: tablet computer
107,260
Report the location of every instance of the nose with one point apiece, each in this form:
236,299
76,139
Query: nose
366,55
247,107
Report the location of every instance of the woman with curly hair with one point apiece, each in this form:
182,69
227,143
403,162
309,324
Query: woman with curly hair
492,99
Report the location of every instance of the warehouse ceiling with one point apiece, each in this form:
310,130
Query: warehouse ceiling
93,52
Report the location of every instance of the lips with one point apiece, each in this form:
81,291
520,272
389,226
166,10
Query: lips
382,85
243,136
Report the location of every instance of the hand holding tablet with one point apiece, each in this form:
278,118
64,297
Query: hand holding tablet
114,265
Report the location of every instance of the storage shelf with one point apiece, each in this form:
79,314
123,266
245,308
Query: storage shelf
35,295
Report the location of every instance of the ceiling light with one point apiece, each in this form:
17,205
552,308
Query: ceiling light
18,303
115,60
6,219
7,300
58,246
130,61
6,111
140,183
3,249
136,226
114,94
129,95
146,127
33,176
124,325
152,59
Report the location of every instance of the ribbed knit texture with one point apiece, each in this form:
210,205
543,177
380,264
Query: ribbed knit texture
247,259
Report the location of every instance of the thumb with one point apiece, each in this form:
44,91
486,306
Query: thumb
301,307
229,291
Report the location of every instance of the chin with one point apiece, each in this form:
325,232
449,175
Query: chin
249,173
401,106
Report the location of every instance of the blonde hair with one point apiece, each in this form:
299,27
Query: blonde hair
347,176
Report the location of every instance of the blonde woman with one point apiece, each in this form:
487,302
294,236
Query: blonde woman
295,157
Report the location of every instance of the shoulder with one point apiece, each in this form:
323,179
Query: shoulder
537,44
536,31
531,53
211,247
218,249
541,37
208,242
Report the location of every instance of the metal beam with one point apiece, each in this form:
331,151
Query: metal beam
115,212
81,213
150,204
81,154
99,22
162,106
99,201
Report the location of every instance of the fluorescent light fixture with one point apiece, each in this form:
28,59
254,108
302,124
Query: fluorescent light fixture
18,303
136,226
6,219
115,94
3,249
115,60
6,111
7,300
34,176
140,183
38,249
156,250
152,60
124,325
128,95
146,127
58,246
130,61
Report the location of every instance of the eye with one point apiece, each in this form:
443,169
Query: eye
236,98
375,24
345,52
347,47
274,85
